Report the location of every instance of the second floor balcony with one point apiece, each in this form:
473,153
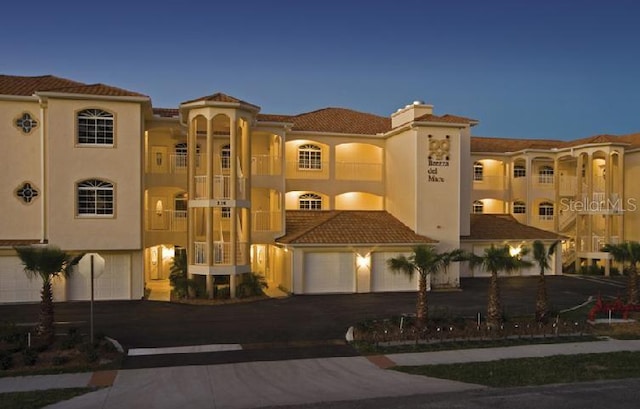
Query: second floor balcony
221,187
221,253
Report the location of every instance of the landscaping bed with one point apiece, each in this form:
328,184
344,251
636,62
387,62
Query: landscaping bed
22,354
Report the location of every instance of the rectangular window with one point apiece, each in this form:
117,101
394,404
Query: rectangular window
95,127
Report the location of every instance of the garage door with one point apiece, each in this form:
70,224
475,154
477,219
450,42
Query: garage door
14,284
329,273
113,284
383,279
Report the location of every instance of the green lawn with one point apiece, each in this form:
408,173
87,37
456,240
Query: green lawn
39,399
537,371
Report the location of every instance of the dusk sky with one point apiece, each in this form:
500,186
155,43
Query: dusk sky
534,69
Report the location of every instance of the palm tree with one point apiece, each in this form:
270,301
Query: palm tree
425,260
46,262
178,274
494,260
627,252
542,255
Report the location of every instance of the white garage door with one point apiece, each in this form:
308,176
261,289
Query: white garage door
384,279
113,284
329,273
14,284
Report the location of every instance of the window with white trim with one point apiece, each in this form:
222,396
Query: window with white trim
180,205
309,157
478,207
519,171
545,211
478,171
519,207
95,127
94,198
225,157
309,201
181,150
545,175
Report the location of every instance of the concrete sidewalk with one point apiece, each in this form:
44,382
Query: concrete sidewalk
293,382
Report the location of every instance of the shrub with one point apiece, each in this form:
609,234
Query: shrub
252,285
6,360
58,360
72,339
29,356
89,352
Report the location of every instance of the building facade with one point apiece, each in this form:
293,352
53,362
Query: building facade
316,202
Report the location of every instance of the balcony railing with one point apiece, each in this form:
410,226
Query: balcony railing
221,253
358,171
167,220
308,170
266,165
488,182
266,221
597,242
221,187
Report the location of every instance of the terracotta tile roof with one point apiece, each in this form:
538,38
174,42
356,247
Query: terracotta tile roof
595,139
166,112
446,118
275,118
502,145
14,243
633,139
26,86
347,227
498,227
220,97
341,120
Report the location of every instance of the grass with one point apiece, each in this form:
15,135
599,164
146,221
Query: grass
39,399
537,371
367,348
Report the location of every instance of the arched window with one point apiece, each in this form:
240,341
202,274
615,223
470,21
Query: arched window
309,201
478,207
95,127
478,171
309,157
519,207
180,151
225,156
545,175
519,171
545,211
95,198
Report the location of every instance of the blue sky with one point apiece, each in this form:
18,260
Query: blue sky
544,69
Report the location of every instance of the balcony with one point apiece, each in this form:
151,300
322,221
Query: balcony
266,165
488,182
359,171
221,187
221,253
266,221
308,170
167,220
597,242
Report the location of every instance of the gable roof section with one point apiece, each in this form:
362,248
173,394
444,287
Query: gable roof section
499,227
27,86
341,120
446,118
221,97
352,227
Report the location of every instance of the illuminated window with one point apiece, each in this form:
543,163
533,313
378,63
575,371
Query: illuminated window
478,207
180,150
95,127
310,201
519,171
309,157
94,197
478,171
225,157
545,211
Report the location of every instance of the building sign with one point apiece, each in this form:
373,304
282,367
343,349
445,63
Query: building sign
438,158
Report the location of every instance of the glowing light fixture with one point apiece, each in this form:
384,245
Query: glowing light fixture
363,261
514,251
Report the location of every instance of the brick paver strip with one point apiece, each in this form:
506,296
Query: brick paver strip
102,378
381,361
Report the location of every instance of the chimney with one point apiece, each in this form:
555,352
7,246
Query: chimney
409,113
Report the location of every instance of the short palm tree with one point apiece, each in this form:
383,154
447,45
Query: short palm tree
425,260
46,262
541,256
178,275
627,252
494,260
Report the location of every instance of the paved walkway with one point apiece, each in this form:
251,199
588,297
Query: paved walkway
294,382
